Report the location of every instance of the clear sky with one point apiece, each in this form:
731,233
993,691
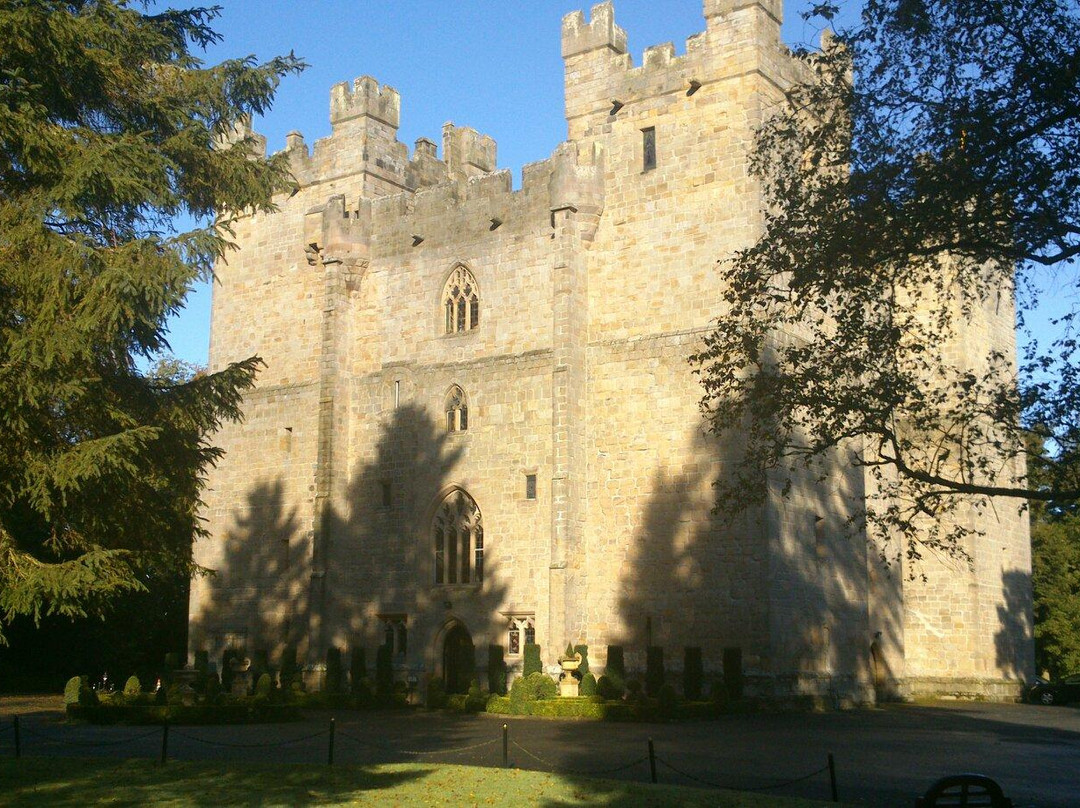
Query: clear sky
493,65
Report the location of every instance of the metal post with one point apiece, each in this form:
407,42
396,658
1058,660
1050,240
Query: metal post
164,742
330,753
832,778
506,747
652,760
18,739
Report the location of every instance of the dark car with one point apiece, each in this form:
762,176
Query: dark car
1064,690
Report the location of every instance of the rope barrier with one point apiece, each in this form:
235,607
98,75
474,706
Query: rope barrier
559,768
391,750
734,788
89,744
233,745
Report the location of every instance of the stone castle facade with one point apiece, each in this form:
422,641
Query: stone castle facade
477,423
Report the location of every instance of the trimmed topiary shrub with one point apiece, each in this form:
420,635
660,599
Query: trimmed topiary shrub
733,674
384,671
290,670
132,687
584,651
615,663
532,662
534,687
202,669
436,693
264,687
227,672
634,690
496,671
357,670
692,674
654,670
71,692
667,701
588,685
610,687
333,670
475,701
260,664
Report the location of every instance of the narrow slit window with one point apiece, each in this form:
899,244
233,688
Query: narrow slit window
648,148
530,486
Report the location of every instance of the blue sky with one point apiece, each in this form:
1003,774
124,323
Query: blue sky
490,64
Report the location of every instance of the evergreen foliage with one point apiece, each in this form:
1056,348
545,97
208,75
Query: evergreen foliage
692,673
654,670
534,687
357,669
584,651
333,670
610,687
108,126
264,686
615,664
1055,579
588,686
733,673
132,687
290,670
228,675
496,671
384,670
532,662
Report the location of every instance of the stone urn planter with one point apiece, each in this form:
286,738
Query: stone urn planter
569,678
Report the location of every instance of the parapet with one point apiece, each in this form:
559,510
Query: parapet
601,31
722,8
365,97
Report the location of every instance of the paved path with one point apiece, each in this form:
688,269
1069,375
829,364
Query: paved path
883,757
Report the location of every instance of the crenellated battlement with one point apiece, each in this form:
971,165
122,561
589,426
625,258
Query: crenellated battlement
741,37
600,31
366,97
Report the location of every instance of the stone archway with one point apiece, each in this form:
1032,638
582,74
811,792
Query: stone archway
458,658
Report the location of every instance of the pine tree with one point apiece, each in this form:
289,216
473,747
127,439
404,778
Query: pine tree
110,129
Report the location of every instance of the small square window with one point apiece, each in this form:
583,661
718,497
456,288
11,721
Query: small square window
387,492
648,148
530,486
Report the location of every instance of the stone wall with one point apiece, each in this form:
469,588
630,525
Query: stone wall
596,281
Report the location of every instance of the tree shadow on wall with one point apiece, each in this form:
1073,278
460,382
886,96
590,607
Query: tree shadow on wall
380,560
785,582
374,551
1014,639
257,589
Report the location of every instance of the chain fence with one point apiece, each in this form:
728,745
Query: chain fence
62,739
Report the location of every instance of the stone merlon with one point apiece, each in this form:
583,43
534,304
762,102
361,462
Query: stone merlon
600,32
365,97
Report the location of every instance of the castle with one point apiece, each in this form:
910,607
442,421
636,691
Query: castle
477,424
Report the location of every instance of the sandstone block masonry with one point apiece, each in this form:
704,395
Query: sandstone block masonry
477,424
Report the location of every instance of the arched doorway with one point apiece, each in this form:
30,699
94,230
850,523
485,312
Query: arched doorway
459,659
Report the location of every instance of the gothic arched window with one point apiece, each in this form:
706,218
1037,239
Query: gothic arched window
458,539
461,302
457,410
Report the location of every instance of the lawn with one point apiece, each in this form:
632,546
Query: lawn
80,782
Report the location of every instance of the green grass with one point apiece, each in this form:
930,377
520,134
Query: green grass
80,782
